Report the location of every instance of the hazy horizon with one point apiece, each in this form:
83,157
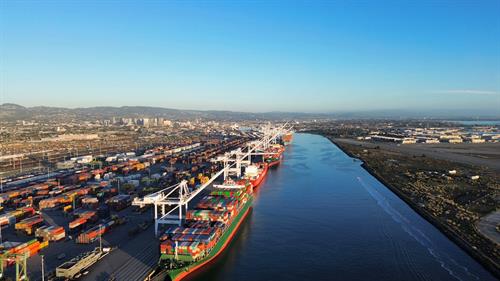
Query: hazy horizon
376,113
316,57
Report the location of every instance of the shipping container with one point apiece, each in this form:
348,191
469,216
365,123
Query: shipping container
29,225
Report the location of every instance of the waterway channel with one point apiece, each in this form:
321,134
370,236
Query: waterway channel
321,216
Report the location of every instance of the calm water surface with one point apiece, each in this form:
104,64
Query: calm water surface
320,216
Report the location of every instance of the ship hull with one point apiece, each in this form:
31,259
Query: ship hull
179,274
274,163
287,139
262,176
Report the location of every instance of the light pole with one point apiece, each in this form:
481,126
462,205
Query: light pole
100,238
118,182
43,268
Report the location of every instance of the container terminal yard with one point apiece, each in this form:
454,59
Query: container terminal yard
79,223
74,207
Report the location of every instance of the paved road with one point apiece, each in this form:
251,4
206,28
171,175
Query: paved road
140,252
487,226
133,259
487,154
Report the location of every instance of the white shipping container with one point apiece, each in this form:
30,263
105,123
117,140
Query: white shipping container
59,236
111,159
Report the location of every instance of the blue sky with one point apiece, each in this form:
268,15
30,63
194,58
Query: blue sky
311,56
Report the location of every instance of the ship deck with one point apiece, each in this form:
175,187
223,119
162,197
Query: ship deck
178,274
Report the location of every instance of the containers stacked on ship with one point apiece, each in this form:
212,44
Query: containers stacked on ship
208,228
275,154
287,138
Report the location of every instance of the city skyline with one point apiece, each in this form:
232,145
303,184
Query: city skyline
252,57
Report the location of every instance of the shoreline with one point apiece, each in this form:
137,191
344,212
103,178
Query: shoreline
485,261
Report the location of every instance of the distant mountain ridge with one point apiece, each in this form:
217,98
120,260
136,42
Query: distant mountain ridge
13,112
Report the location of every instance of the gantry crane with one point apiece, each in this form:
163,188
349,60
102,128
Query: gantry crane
21,267
178,196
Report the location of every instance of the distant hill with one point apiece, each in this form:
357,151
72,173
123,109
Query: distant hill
13,112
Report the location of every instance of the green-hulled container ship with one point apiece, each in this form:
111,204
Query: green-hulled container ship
208,230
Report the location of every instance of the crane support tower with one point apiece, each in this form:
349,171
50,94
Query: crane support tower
171,203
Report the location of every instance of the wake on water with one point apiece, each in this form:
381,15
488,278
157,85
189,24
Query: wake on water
449,264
